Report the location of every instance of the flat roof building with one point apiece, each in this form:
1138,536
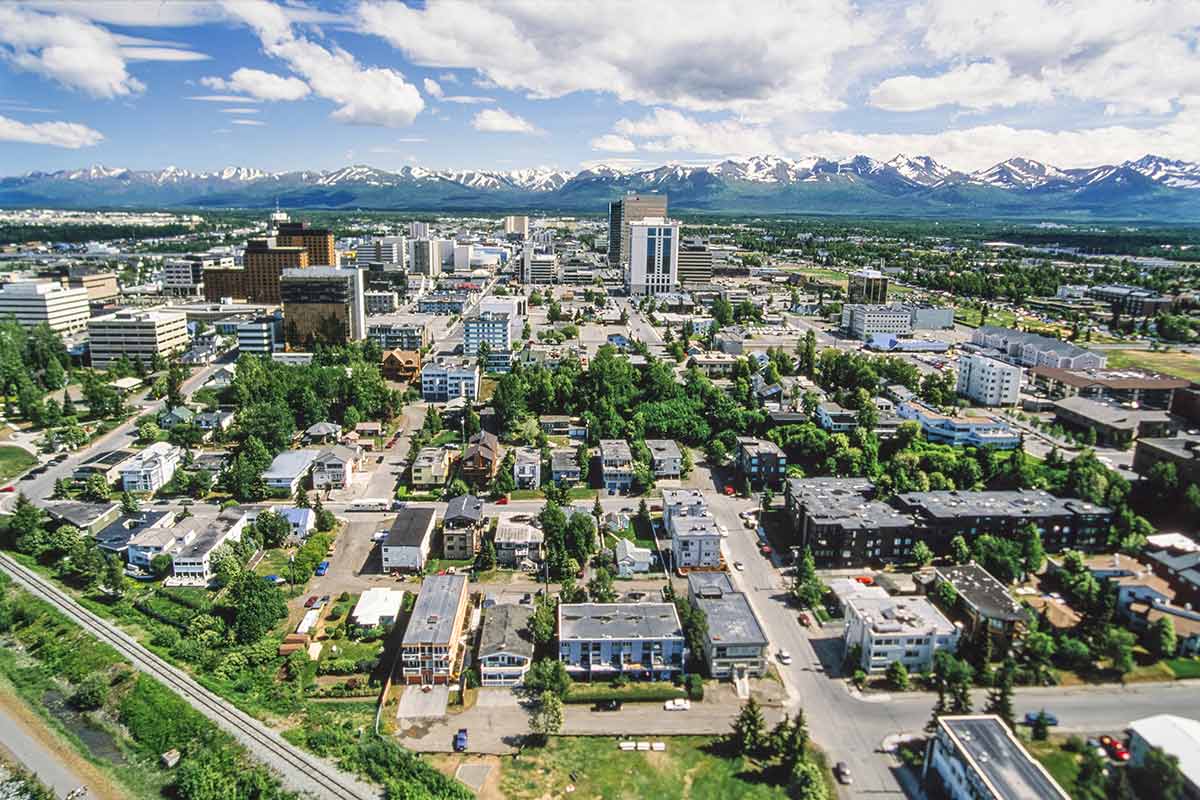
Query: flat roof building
32,303
408,540
322,305
137,335
603,640
735,644
905,629
978,758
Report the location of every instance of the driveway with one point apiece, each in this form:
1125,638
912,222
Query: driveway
416,704
495,725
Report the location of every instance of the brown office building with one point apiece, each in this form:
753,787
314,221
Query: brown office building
318,242
265,260
222,282
630,208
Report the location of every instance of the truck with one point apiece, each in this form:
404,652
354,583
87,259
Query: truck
370,504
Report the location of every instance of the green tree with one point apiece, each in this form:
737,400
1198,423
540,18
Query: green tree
749,730
547,718
959,551
600,587
1158,776
1033,554
91,692
272,529
921,554
301,499
96,489
1000,698
897,676
114,575
548,675
806,782
1090,783
129,504
258,605
1162,637
1039,730
807,588
487,555
1118,648
160,565
543,620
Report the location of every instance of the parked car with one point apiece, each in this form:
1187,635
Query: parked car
310,602
729,492
607,705
527,598
324,600
460,741
1097,748
678,704
784,657
748,513
865,580
739,566
841,771
1032,716
322,568
1115,748
273,579
805,619
503,501
9,488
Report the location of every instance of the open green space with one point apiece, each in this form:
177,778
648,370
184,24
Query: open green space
1175,363
1060,763
691,767
14,461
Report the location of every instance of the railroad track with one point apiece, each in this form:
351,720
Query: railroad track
300,770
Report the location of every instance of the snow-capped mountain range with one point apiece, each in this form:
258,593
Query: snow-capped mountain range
1150,187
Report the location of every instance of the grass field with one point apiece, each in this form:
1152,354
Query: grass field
1180,365
14,461
1184,668
689,768
1058,762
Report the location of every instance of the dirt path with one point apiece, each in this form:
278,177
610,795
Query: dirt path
26,739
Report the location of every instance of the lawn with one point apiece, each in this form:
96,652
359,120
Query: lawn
1184,668
689,768
1063,766
14,461
1180,365
435,565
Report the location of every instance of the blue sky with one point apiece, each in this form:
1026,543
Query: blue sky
549,83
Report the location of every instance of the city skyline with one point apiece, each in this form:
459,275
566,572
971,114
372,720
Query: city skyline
203,85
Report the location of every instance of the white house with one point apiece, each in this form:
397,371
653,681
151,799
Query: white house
505,645
696,542
406,547
334,467
527,469
905,629
289,469
151,468
376,606
631,559
196,540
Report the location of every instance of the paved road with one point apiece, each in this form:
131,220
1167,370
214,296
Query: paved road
27,748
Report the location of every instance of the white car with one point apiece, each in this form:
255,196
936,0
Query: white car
784,657
748,513
678,704
739,566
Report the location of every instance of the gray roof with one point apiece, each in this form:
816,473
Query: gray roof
980,590
709,584
1108,414
109,458
1017,504
464,508
81,515
290,463
995,755
845,502
615,448
731,620
563,460
432,620
1182,447
411,527
589,621
323,428
663,448
1043,343
505,629
116,535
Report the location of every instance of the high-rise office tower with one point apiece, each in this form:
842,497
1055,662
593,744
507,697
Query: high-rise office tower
695,263
516,226
653,257
867,286
418,230
425,257
631,208
317,241
322,304
263,263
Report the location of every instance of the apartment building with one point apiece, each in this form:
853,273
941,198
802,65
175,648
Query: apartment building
33,303
397,335
137,335
683,503
986,602
432,643
988,381
616,464
184,276
666,459
150,469
735,644
978,757
696,542
445,379
493,328
198,538
762,462
431,467
322,305
443,303
905,629
538,267
642,641
1033,350
527,468
966,430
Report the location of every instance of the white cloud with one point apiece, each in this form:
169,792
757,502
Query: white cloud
613,143
254,122
977,86
981,146
771,62
467,99
239,110
432,87
174,13
66,49
667,130
259,84
162,54
497,120
221,98
71,135
364,95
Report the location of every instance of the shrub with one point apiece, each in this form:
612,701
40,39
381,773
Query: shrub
695,687
634,693
92,692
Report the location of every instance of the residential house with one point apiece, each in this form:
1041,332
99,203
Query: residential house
462,527
430,650
985,600
735,644
150,469
400,365
564,466
289,470
377,606
213,421
406,547
696,542
905,629
616,463
322,433
179,415
518,543
505,645
666,460
527,468
431,467
631,559
643,641
334,467
836,419
762,462
481,459
559,425
197,538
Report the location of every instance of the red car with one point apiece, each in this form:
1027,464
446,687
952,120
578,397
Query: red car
310,602
805,619
865,580
765,549
1115,749
729,491
8,489
503,501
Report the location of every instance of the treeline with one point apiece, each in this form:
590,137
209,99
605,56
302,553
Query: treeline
75,234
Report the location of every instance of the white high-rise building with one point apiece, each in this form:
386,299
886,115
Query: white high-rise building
387,250
462,257
988,381
539,267
653,257
418,230
424,257
518,225
34,302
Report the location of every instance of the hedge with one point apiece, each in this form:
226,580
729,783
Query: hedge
633,693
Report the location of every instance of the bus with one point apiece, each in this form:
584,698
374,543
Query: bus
370,504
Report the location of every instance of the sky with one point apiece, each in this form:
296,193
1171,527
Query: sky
513,84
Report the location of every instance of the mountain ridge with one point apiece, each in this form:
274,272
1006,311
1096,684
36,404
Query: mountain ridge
1151,187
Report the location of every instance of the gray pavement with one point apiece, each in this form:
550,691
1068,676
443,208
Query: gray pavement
28,750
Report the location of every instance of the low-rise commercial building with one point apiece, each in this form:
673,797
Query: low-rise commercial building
432,645
406,547
1113,425
1182,450
979,758
601,641
136,335
32,303
1126,387
905,629
964,431
735,645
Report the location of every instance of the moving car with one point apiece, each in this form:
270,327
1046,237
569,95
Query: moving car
322,568
310,602
841,771
784,657
607,705
1032,716
460,741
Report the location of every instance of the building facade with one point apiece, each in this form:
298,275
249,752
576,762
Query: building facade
600,641
653,257
137,335
322,305
443,380
34,303
432,645
631,208
988,381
